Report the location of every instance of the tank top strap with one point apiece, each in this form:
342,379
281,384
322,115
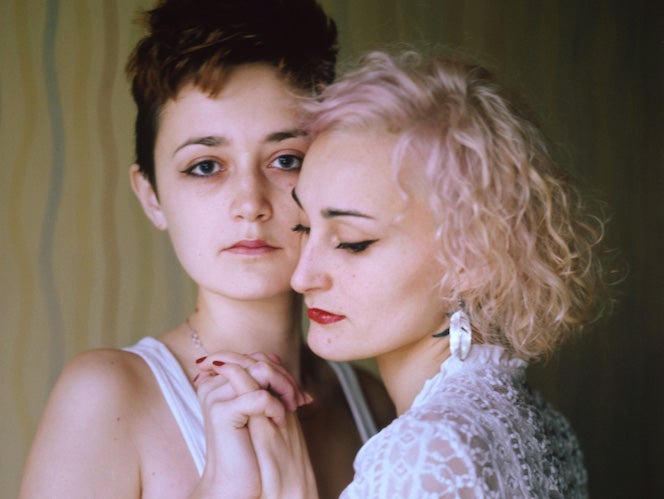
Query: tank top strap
356,400
178,392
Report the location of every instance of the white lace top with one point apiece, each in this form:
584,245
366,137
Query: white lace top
475,430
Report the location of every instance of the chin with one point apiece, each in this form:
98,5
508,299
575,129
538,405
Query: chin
328,348
268,294
257,292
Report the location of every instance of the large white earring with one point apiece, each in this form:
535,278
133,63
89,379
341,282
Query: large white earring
460,334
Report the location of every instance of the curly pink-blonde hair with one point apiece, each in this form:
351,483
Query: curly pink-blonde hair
514,235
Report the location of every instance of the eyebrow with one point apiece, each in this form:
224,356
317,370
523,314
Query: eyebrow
286,134
217,140
210,141
333,212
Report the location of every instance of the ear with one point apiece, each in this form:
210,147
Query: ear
147,197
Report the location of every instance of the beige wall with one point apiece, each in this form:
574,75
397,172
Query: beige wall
81,268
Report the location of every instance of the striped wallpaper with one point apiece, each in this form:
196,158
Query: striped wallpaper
80,266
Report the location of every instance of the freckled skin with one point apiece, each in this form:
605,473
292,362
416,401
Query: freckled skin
368,254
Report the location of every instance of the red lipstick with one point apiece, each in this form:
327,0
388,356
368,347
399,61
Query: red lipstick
323,316
251,247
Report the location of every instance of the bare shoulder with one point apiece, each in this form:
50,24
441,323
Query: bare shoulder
100,382
89,419
377,397
112,368
106,362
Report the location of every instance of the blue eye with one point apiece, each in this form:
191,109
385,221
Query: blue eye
358,247
288,162
203,168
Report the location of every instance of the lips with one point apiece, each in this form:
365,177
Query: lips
251,247
323,316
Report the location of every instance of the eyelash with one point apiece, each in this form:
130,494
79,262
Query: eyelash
290,157
217,166
190,169
358,247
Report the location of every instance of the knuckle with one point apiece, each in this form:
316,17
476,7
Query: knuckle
261,369
262,397
231,368
259,356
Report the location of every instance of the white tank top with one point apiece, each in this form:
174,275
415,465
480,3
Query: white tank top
183,402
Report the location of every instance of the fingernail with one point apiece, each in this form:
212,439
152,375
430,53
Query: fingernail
198,361
218,363
195,378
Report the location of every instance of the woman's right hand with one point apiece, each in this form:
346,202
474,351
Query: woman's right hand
283,459
255,447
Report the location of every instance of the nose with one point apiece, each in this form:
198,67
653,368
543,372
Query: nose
310,273
251,197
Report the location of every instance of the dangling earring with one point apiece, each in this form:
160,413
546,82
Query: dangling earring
460,334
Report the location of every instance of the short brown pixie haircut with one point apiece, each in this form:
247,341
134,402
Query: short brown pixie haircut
198,41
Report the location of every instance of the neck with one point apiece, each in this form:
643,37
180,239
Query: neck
270,326
405,371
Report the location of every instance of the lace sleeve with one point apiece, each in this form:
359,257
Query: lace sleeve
424,455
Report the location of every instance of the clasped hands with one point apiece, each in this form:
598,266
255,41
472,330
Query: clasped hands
255,446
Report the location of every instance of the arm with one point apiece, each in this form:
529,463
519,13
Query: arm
83,446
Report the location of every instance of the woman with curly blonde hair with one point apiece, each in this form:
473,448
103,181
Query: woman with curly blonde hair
441,238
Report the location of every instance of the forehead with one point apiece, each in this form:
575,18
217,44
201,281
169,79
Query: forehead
356,158
251,96
352,169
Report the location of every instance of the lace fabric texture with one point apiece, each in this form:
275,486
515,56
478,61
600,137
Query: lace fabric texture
475,430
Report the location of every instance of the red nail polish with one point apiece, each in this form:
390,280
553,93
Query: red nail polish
195,378
218,363
198,361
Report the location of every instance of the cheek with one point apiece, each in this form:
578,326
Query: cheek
369,293
188,244
283,183
188,227
284,204
415,285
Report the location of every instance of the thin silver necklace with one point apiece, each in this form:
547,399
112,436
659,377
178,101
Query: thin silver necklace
195,339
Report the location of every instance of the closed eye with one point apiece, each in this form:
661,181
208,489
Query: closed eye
358,247
301,229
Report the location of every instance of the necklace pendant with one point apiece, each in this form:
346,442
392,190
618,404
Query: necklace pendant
195,339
